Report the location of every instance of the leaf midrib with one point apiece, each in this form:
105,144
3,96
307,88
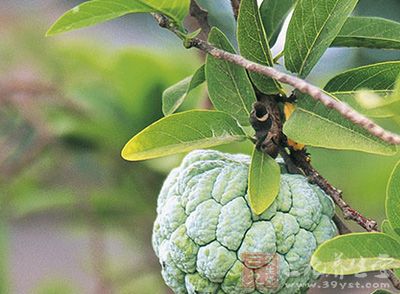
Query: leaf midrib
337,124
112,13
310,49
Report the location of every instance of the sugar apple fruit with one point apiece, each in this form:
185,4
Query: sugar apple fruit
205,229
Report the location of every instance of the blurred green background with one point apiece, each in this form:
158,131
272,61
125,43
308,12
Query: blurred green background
76,218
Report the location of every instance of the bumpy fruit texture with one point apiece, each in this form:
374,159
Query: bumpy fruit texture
205,229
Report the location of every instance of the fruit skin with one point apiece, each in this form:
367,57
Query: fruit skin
205,226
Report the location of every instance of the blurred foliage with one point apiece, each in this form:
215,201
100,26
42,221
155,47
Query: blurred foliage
55,286
101,99
62,137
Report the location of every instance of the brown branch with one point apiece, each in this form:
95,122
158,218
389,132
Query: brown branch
235,7
394,279
265,119
300,84
201,16
342,227
304,87
301,159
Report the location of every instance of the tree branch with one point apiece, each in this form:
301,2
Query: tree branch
235,7
393,278
302,160
304,87
201,16
342,227
299,84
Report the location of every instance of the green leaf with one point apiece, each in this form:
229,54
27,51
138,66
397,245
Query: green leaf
193,34
356,253
229,87
264,180
183,132
352,99
393,199
387,109
97,11
315,125
388,229
380,291
369,32
174,96
396,92
379,76
253,44
397,273
273,14
311,31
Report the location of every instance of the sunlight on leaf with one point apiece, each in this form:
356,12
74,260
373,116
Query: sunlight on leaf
315,125
174,96
264,181
183,132
356,253
97,11
312,29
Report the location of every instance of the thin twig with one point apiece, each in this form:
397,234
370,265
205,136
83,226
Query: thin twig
342,227
302,86
201,16
393,278
301,159
235,7
299,84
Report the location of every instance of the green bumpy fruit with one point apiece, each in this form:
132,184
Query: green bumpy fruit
205,228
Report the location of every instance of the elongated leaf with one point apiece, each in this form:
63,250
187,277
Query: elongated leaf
229,87
379,76
396,92
352,99
388,229
97,11
369,32
183,132
315,125
390,108
311,31
264,180
253,44
175,95
273,14
357,252
393,199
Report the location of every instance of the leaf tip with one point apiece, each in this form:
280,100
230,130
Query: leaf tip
50,33
127,153
257,211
